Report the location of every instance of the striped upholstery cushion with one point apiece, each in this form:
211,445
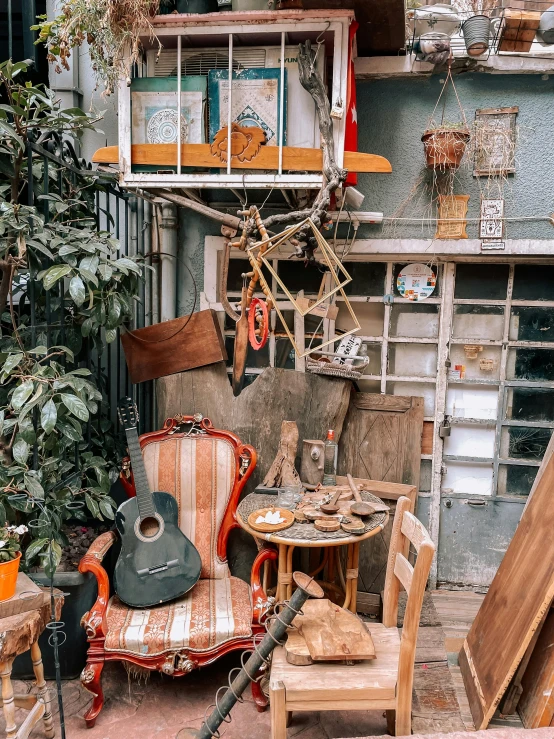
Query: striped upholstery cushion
199,471
213,612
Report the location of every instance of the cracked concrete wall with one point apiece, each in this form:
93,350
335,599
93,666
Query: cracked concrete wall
393,114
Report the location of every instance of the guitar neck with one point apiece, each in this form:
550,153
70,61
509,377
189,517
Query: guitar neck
144,496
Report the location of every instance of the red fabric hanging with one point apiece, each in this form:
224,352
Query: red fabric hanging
351,126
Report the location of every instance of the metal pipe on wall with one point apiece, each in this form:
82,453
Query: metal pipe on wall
168,270
148,226
155,262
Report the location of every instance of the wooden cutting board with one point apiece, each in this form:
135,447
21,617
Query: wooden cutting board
331,634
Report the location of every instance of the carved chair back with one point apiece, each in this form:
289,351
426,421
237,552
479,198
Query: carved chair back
205,469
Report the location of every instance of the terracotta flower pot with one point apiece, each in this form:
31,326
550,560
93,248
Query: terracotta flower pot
445,147
8,577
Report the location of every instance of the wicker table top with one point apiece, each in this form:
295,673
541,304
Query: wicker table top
305,534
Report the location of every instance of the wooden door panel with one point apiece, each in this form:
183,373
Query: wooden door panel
381,440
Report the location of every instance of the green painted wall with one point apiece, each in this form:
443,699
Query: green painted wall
393,114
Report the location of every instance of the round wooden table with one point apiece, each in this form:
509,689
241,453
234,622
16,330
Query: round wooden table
288,540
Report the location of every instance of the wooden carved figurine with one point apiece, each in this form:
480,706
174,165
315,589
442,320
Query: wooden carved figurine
245,142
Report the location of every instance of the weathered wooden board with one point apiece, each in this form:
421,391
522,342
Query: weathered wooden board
28,597
200,155
518,598
430,646
316,404
22,629
381,440
536,705
435,707
173,346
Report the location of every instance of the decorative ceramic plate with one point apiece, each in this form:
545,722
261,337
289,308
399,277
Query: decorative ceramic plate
268,528
416,282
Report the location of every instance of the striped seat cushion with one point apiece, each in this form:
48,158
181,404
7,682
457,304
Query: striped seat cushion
213,612
199,471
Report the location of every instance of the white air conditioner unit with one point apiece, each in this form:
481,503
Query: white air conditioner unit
302,124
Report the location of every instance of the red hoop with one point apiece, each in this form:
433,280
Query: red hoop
264,326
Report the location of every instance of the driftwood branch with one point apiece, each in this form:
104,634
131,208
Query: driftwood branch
230,221
282,471
311,81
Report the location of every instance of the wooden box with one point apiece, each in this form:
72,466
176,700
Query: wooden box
518,30
174,346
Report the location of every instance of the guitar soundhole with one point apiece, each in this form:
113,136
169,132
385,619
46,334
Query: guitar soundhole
149,527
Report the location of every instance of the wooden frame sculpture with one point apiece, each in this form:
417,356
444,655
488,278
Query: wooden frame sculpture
182,661
257,259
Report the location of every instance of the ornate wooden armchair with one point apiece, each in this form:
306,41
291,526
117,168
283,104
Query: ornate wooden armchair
206,470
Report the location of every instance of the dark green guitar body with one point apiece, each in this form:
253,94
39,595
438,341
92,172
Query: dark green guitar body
154,569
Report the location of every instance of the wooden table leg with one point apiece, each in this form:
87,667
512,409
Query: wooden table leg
43,694
289,570
283,575
354,578
8,702
347,592
331,565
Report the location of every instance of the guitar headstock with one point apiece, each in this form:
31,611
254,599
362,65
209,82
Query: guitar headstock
127,413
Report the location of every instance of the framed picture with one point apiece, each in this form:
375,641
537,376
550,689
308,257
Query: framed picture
491,225
495,141
452,213
255,100
154,110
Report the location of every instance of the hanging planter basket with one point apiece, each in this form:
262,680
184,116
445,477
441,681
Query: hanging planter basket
444,144
445,147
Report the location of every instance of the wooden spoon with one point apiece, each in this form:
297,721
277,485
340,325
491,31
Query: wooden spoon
359,508
333,506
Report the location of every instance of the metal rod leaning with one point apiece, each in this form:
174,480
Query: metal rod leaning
306,588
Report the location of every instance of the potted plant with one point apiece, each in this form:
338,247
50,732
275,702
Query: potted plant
10,556
445,145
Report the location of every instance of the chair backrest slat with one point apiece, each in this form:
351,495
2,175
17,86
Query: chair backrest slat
404,571
413,530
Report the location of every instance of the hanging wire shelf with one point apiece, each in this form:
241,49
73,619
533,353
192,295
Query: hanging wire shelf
513,30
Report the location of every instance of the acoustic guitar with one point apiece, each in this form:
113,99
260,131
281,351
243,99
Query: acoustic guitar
157,562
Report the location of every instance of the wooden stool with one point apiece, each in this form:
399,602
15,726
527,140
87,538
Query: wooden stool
20,633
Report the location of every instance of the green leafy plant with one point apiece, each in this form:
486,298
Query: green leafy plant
64,291
9,541
112,29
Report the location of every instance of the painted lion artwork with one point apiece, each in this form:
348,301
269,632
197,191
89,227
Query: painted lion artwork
245,142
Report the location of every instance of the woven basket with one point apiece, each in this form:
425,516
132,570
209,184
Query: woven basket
336,370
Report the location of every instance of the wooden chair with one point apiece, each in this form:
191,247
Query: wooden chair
205,469
384,683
